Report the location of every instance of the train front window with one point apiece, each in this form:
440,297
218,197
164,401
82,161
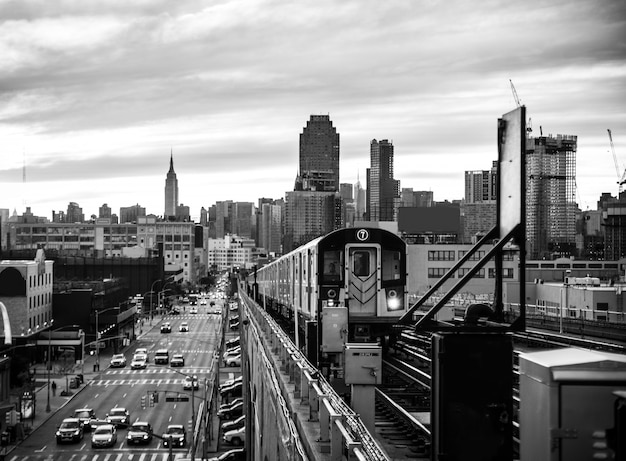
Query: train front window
391,265
361,263
332,266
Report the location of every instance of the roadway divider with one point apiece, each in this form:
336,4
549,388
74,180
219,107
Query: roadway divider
321,423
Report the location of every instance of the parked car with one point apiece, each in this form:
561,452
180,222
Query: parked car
85,415
139,361
104,436
139,433
232,391
230,382
233,361
227,406
118,416
162,356
184,327
175,435
70,430
236,436
118,361
236,454
232,343
234,424
191,382
234,326
177,360
233,412
166,328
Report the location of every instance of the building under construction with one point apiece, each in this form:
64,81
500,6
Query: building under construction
551,196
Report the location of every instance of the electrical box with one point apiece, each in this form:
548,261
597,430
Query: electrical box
567,401
334,329
363,364
472,396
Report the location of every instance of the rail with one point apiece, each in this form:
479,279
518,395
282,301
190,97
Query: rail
342,432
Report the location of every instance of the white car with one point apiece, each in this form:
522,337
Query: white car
139,361
193,310
183,327
234,361
191,382
142,350
236,436
104,436
118,361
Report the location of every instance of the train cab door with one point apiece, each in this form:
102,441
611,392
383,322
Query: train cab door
362,279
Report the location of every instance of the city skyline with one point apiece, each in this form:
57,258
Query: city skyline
97,96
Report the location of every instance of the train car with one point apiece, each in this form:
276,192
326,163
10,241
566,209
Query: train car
347,286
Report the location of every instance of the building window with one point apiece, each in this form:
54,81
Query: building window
437,272
441,255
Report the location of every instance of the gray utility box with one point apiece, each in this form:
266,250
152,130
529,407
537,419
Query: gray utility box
567,401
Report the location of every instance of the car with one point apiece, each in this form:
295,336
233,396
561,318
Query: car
236,454
162,357
166,328
104,436
234,319
227,406
191,382
139,361
233,343
234,390
234,411
118,416
177,360
203,302
234,326
143,351
70,430
233,361
235,437
175,311
140,432
183,327
85,415
175,435
193,310
118,361
234,424
230,382
232,352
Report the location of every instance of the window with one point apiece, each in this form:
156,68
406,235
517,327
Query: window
437,272
332,267
441,255
478,275
361,263
391,265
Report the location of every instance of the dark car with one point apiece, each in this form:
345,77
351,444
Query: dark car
230,382
234,326
235,424
70,430
233,412
85,415
236,454
234,390
118,416
175,435
139,433
233,342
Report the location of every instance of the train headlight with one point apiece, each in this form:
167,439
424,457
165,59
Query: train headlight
394,300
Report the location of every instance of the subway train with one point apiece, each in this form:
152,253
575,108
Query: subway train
346,286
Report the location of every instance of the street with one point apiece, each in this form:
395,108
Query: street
146,393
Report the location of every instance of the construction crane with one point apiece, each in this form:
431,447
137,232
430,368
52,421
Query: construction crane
529,124
621,178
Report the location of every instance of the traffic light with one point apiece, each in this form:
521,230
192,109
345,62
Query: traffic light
151,399
155,397
143,402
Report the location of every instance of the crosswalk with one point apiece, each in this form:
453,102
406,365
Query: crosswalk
125,456
154,371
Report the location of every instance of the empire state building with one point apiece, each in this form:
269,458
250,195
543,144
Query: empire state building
171,191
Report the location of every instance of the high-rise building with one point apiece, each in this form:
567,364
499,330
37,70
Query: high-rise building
269,225
479,209
171,192
104,211
383,192
319,155
74,213
308,214
130,214
359,201
551,196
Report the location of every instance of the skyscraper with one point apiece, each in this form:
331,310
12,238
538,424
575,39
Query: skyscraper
171,191
551,196
479,208
319,155
383,192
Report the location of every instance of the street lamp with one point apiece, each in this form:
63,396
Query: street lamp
97,365
151,299
163,290
49,364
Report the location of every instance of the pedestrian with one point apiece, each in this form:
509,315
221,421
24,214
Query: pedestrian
54,388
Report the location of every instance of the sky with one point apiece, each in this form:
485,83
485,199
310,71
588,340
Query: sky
96,96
